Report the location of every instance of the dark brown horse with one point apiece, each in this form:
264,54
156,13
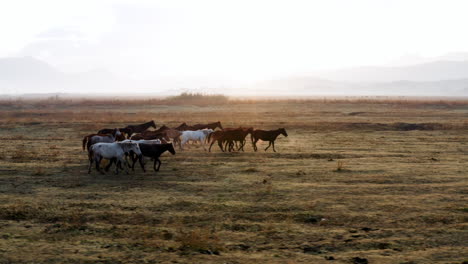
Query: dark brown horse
229,136
234,136
267,135
210,126
142,127
184,127
127,131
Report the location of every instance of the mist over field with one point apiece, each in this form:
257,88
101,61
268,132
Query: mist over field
243,48
27,75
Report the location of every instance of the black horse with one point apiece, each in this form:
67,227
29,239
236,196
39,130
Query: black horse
154,151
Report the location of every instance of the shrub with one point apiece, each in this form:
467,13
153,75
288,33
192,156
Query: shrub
198,99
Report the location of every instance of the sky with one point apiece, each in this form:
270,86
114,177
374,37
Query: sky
241,40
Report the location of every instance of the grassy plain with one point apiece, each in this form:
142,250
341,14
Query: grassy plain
349,183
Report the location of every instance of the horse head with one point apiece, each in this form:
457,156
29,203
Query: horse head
171,148
283,132
153,124
134,147
218,124
181,126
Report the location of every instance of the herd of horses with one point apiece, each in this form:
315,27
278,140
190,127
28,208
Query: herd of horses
135,142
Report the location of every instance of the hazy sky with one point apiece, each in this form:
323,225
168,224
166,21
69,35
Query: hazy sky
229,39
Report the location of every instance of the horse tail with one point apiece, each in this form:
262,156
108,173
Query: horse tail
85,139
90,153
209,138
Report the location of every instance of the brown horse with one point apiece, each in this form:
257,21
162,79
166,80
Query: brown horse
210,126
174,135
169,133
163,128
142,127
229,136
184,127
232,136
267,135
216,136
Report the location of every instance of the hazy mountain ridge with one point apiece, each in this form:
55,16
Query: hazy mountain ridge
430,71
16,69
29,75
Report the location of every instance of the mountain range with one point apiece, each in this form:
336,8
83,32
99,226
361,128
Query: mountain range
438,78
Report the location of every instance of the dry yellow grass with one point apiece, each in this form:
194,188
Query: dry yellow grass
348,182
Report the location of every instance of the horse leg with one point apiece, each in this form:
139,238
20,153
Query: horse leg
110,164
209,149
184,144
220,144
241,146
133,163
254,143
202,142
231,145
98,163
154,164
159,164
273,143
141,163
117,164
180,143
131,157
268,146
124,161
90,164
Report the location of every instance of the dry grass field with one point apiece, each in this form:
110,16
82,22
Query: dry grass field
355,182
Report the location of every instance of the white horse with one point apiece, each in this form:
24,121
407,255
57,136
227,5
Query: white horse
112,151
199,135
